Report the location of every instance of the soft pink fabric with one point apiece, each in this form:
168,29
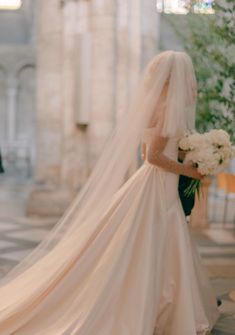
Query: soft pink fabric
137,273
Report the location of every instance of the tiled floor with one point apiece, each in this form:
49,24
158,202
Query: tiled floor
18,237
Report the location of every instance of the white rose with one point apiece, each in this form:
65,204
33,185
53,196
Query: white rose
184,143
191,141
219,137
226,152
196,140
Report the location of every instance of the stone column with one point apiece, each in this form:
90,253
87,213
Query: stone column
48,197
150,22
3,112
136,43
76,92
61,144
11,109
102,21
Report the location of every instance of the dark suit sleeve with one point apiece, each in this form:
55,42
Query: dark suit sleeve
187,202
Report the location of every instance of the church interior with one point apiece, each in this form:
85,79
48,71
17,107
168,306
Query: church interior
67,70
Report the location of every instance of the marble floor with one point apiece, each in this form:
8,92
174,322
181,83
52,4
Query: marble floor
19,235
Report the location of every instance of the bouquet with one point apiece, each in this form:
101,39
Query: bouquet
209,152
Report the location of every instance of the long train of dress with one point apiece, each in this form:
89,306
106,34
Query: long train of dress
138,274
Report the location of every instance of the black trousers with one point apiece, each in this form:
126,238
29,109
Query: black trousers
187,202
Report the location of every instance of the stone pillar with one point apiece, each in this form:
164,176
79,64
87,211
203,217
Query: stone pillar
74,165
136,43
150,23
48,197
11,109
102,21
61,144
3,112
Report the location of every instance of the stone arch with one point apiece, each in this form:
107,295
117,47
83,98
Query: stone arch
25,116
25,113
23,63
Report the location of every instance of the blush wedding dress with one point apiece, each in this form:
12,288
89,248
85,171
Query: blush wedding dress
132,269
140,271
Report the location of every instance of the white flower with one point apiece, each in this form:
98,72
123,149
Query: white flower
210,152
226,152
191,142
184,143
197,140
219,137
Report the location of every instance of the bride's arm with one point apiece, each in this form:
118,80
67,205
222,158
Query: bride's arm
158,158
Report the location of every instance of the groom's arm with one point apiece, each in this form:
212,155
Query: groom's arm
184,182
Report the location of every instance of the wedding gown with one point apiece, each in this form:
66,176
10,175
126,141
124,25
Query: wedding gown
140,273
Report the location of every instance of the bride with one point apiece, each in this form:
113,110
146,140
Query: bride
121,260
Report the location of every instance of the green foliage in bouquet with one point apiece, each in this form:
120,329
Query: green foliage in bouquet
210,41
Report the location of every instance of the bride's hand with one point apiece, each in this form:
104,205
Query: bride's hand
192,171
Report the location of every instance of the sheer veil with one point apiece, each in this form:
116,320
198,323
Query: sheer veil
81,222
